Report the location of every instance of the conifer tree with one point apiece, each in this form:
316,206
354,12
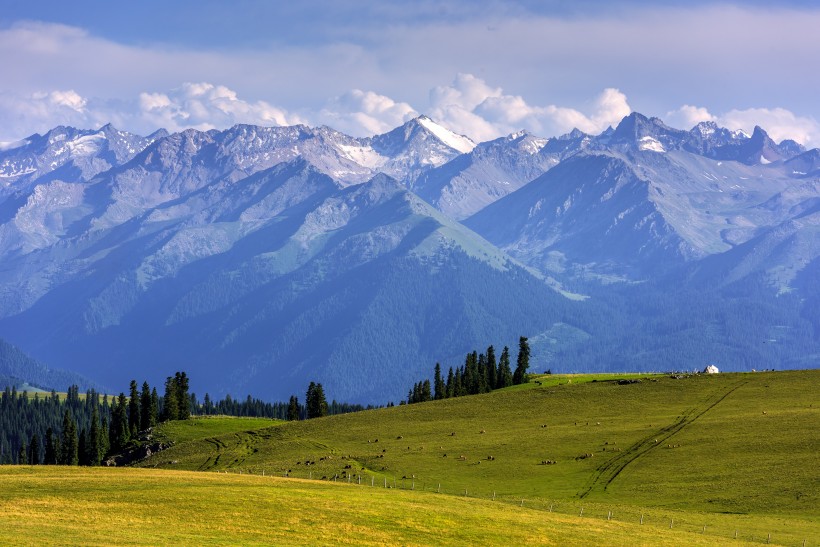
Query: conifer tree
154,403
50,451
148,418
183,399
316,402
504,376
425,394
451,383
458,381
170,405
119,433
92,446
22,455
491,369
520,375
134,417
293,408
82,448
34,450
68,446
104,440
438,384
482,374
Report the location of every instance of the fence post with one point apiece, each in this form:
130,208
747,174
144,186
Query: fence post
641,519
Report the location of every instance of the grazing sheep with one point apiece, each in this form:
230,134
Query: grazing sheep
482,431
399,438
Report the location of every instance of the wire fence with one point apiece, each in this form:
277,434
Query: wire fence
658,519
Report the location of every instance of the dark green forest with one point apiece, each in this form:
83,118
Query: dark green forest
87,429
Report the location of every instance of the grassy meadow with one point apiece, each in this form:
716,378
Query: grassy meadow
661,460
96,506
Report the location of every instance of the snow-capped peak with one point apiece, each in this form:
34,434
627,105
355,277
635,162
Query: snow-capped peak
651,144
457,142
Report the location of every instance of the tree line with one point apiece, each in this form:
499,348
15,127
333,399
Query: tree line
77,430
479,374
316,405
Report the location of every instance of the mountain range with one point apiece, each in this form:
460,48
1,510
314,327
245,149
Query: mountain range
259,259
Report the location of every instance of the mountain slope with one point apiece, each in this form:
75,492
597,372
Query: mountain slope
287,275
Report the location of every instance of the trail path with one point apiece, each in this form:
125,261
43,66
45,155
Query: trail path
607,472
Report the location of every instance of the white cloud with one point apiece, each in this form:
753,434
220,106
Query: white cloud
688,116
779,123
364,113
198,105
483,112
206,106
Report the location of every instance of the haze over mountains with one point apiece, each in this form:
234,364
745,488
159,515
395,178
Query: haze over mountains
261,258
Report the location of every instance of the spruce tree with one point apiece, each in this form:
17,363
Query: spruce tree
451,384
147,418
293,408
438,384
482,374
49,451
92,446
119,433
134,417
68,446
492,367
154,405
22,455
170,405
425,392
34,450
520,375
504,376
316,402
183,398
82,448
104,440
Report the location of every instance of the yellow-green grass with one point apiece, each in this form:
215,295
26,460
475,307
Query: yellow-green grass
95,506
733,451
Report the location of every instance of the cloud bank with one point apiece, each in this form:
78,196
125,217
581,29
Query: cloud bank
468,105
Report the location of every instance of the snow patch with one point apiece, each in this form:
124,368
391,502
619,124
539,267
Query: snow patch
87,145
648,143
363,155
764,161
457,142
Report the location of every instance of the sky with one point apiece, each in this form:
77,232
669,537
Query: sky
481,68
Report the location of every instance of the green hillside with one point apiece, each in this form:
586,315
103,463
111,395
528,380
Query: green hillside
638,460
746,446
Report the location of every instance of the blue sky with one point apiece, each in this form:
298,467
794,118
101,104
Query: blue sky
481,68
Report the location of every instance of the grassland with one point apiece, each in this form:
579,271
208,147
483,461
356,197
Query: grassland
734,453
95,506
